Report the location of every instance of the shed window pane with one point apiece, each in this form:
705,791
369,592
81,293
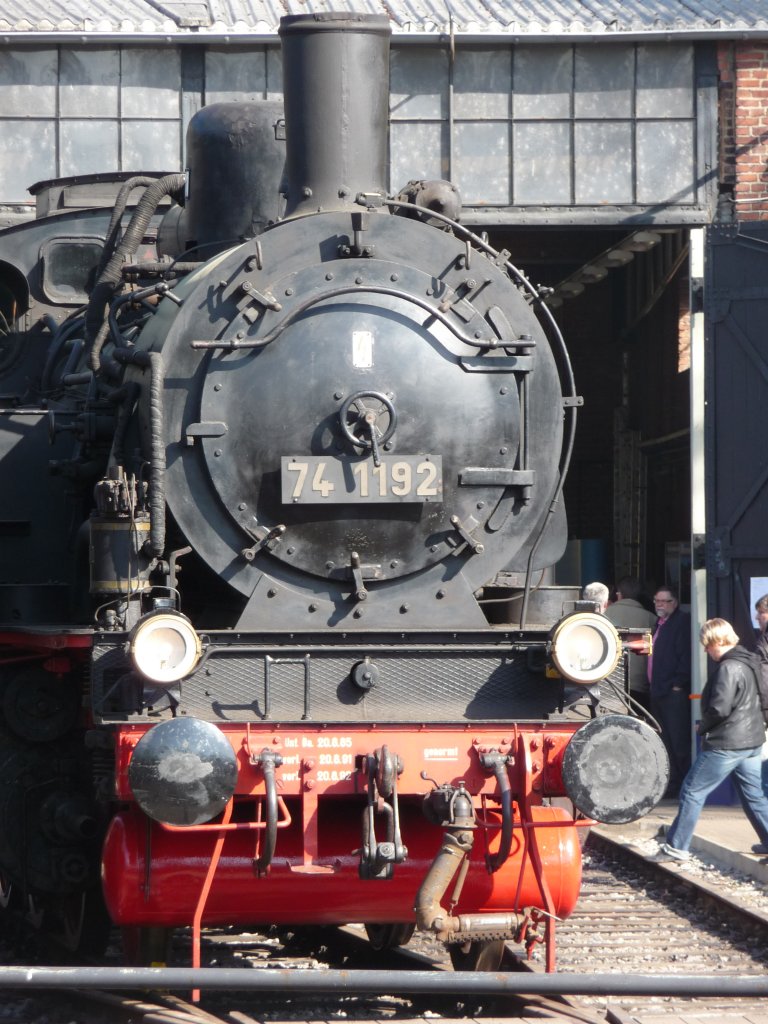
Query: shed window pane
664,81
482,82
274,73
481,167
239,76
151,80
28,82
541,162
543,82
604,80
415,153
87,147
149,146
418,83
27,155
603,168
89,82
665,167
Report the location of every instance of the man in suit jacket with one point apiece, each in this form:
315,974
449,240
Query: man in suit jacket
628,612
669,674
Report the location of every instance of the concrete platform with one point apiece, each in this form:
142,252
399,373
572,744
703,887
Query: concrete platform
722,835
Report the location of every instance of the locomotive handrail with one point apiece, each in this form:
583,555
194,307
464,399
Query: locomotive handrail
332,293
233,826
212,649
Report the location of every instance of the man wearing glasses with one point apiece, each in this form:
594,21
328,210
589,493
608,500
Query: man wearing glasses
669,675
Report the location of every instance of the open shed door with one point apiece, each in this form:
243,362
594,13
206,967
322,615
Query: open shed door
736,418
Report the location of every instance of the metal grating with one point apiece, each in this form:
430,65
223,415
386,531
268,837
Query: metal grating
414,686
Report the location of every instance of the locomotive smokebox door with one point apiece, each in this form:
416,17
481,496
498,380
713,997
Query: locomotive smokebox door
615,769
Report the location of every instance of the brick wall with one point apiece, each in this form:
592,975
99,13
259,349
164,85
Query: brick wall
744,127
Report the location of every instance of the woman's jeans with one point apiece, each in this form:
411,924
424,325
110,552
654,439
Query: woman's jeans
707,772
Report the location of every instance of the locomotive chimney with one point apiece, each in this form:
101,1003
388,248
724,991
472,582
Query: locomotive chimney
336,92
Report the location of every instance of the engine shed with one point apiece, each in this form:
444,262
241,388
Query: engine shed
618,154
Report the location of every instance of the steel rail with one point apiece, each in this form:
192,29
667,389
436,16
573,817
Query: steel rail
381,982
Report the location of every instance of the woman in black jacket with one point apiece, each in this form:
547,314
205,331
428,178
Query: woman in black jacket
732,734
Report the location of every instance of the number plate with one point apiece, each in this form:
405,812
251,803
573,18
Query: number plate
324,480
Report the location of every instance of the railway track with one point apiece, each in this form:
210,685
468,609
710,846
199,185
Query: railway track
316,952
638,917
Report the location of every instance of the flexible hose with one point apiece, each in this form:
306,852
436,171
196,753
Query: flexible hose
137,181
498,859
96,323
155,545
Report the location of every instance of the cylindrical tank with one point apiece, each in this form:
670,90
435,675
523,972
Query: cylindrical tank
329,891
336,91
115,553
234,169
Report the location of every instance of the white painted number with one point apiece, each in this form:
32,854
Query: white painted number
320,485
401,478
427,487
360,470
300,468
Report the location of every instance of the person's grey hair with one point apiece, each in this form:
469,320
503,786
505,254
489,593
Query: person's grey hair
597,592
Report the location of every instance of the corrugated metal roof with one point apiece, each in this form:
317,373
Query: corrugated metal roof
525,18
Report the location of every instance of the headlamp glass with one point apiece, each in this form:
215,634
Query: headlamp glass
165,647
585,647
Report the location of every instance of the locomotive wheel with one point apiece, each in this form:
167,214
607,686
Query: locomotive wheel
146,947
39,706
79,922
477,956
388,936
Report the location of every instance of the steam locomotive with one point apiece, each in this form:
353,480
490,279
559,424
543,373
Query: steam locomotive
282,465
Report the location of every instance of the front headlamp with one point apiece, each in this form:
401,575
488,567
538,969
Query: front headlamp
165,647
585,647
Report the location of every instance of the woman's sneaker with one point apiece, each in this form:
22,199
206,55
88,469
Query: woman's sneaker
667,852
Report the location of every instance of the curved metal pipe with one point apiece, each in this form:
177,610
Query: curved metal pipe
499,765
430,916
333,293
268,761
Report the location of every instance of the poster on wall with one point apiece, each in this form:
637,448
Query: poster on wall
758,587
